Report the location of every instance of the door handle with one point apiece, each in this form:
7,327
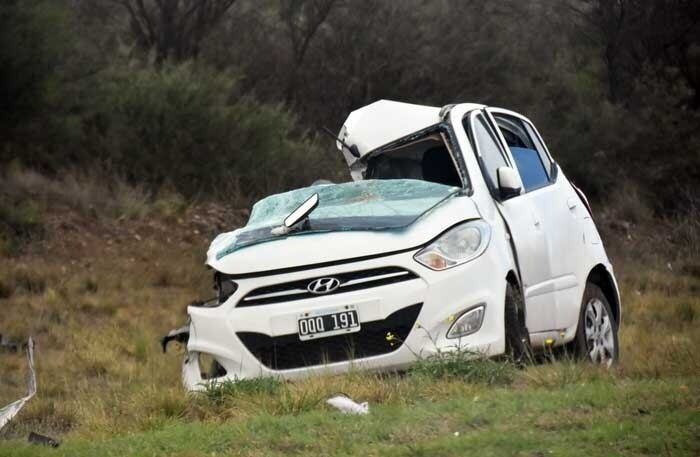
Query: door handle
571,203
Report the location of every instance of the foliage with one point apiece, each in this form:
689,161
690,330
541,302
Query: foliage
182,124
33,41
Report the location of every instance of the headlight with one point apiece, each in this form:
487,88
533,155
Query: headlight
467,323
456,246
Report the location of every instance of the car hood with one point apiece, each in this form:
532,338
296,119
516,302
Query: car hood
310,248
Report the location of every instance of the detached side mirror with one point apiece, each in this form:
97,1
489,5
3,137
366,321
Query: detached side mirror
509,183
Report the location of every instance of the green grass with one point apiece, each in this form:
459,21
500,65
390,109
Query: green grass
587,419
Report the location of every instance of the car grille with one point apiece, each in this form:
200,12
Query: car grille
288,351
297,290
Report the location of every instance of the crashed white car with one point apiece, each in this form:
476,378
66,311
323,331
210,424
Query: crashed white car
458,231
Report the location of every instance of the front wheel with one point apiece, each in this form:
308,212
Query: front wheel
517,336
596,336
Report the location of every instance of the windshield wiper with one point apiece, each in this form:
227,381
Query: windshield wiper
298,220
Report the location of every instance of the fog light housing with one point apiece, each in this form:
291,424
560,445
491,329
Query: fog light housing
468,323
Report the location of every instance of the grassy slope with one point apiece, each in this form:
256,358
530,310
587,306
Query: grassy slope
586,419
98,292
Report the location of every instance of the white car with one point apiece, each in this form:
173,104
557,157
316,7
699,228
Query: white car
458,231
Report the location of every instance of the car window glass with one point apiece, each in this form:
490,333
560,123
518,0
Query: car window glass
530,167
539,147
513,132
488,149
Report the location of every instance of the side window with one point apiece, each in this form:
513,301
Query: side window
539,146
528,152
530,168
488,148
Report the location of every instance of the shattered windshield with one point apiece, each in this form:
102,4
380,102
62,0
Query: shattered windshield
358,205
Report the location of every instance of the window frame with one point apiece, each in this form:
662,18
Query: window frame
468,122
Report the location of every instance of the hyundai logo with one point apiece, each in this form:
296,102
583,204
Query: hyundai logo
323,285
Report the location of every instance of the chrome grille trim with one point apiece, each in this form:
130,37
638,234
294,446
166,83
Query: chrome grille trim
349,281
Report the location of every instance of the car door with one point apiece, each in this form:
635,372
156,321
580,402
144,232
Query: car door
558,209
521,215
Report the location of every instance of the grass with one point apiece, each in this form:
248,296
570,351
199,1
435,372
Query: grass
599,418
96,292
462,366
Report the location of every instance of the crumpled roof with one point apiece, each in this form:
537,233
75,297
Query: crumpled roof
358,205
382,122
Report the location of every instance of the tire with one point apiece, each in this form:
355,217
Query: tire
518,346
596,335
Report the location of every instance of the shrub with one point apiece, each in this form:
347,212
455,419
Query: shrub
185,125
20,221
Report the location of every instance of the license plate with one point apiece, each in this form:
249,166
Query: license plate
328,322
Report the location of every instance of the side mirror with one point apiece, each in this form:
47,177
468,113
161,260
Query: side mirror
301,212
509,183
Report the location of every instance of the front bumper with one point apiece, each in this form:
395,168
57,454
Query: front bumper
435,298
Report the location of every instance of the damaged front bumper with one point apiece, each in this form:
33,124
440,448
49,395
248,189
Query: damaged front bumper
181,335
252,334
193,379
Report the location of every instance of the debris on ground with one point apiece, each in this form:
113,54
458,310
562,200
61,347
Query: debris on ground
11,410
10,345
36,438
347,406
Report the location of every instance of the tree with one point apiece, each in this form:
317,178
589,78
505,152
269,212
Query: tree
173,28
635,36
302,19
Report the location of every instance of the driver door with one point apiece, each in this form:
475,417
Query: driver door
524,223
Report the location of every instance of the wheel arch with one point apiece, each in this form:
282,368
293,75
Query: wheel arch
601,277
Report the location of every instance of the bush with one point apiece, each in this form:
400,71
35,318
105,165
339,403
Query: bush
20,221
185,125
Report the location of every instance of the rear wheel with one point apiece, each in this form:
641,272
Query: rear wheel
596,336
517,336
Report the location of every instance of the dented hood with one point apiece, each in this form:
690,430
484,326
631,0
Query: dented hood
366,218
382,122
